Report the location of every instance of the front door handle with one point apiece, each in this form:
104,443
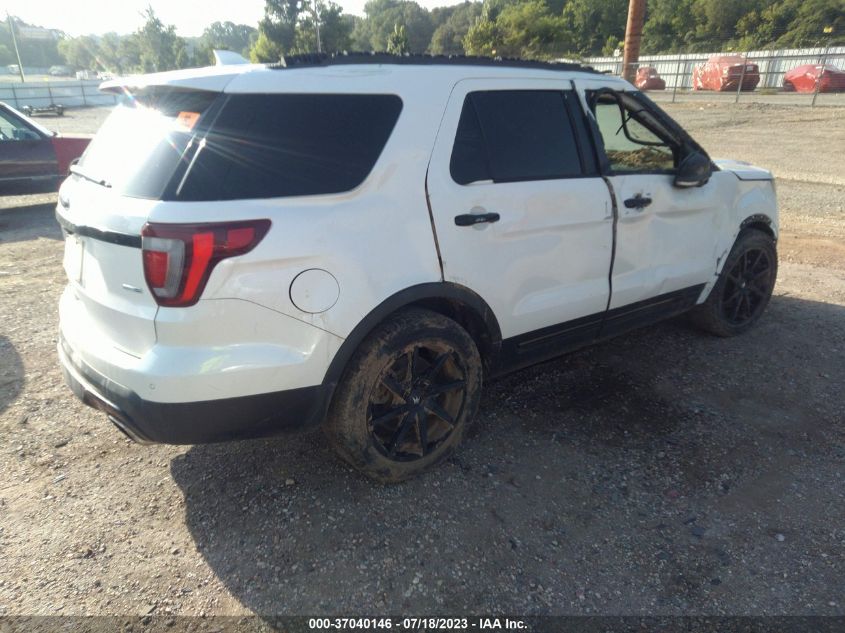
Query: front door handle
471,219
637,202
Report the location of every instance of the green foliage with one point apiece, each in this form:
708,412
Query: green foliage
226,36
335,29
80,53
265,50
276,30
290,26
397,42
7,56
448,37
381,16
160,48
42,53
592,22
524,28
708,25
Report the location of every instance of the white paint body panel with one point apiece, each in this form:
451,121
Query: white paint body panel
545,262
683,237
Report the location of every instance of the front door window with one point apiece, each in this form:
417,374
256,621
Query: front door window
631,142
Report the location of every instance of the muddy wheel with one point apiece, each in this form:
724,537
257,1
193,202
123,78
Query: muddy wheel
743,289
406,397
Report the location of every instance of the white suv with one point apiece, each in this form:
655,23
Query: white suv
358,241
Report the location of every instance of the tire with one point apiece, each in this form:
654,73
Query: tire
744,287
406,397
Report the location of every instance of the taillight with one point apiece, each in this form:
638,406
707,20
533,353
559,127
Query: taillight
179,258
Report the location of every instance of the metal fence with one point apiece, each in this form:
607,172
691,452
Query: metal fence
69,93
677,72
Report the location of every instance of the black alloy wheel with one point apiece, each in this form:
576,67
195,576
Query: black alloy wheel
747,288
744,287
414,406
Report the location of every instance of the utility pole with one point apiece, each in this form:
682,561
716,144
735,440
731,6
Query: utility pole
633,36
15,42
317,25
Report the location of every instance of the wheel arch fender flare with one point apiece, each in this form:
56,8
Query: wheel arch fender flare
450,299
760,222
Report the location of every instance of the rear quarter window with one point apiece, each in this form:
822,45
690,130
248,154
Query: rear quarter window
268,146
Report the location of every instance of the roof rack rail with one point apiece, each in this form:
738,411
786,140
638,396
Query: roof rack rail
361,57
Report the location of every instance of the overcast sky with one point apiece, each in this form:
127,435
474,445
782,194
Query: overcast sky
81,17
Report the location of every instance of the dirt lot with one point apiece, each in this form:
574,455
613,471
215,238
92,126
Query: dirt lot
665,472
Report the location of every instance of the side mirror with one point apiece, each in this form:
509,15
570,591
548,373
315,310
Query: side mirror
694,171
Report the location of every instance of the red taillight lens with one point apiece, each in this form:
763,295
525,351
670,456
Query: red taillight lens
155,267
179,258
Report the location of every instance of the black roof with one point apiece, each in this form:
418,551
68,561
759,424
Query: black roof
308,60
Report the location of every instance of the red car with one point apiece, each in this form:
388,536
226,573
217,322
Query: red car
32,158
724,72
804,79
648,79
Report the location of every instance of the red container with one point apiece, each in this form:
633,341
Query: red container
804,79
724,73
648,79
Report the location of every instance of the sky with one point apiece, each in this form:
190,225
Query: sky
81,17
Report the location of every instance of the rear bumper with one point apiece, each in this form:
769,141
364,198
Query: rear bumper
193,422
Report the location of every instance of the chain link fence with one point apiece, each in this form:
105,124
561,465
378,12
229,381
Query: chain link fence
811,76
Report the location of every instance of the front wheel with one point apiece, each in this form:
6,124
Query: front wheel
406,397
743,289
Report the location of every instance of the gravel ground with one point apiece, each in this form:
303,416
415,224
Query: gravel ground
665,472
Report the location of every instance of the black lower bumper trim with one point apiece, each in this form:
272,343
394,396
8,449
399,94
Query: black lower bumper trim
203,422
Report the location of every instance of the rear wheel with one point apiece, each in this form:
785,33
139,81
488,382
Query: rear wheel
407,396
743,289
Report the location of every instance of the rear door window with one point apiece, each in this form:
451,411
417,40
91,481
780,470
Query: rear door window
516,135
279,145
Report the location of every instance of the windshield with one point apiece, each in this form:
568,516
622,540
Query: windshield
140,146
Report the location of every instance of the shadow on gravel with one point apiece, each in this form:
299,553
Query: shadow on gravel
23,223
642,474
11,373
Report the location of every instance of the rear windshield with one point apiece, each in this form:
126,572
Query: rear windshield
201,146
266,146
144,140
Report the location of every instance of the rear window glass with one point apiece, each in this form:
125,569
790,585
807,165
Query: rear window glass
515,135
265,146
145,139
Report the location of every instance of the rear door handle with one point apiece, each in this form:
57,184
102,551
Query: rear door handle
637,202
471,219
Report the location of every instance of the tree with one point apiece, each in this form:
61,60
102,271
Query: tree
397,42
276,30
158,46
335,28
228,36
669,26
108,52
382,16
591,22
80,52
528,29
34,52
448,37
